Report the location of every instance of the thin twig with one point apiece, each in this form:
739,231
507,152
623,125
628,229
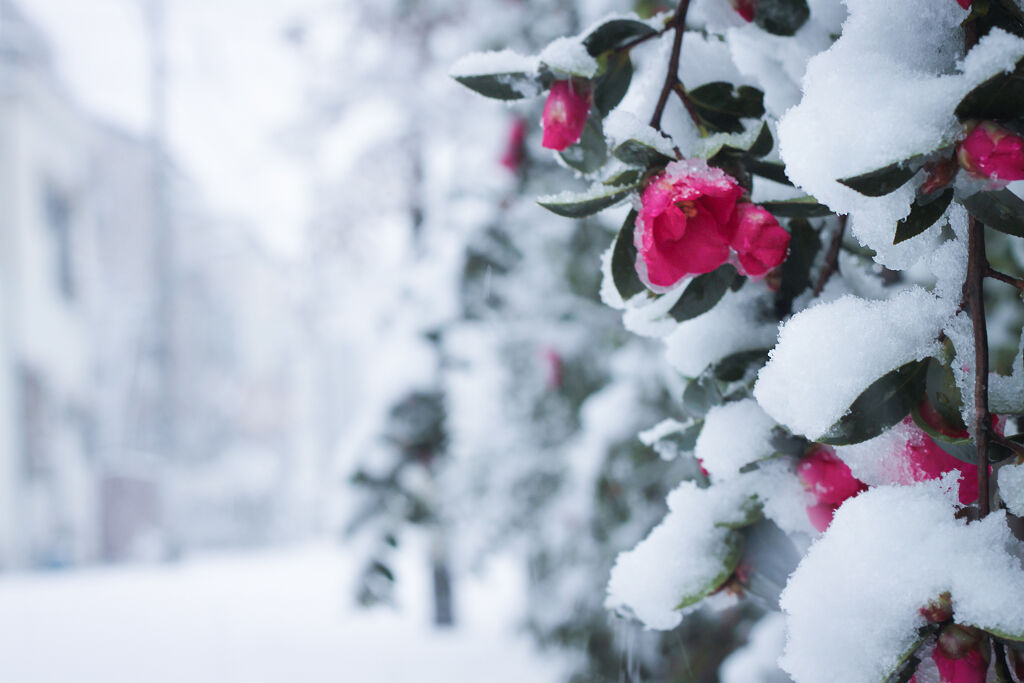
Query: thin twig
672,77
831,264
1003,277
690,109
977,266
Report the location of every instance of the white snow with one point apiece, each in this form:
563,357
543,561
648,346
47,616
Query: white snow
733,325
852,604
495,62
271,616
829,354
755,662
734,434
1010,482
569,56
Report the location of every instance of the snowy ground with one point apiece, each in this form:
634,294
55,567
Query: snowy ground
253,618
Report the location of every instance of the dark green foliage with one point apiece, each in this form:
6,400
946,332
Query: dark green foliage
781,17
887,401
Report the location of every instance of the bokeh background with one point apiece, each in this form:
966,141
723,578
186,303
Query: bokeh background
296,380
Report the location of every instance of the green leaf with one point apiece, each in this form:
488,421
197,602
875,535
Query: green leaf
763,143
804,207
584,204
631,176
611,87
1000,97
506,86
728,556
942,392
641,154
1001,210
804,245
735,367
963,450
627,282
881,181
772,170
703,292
781,17
700,396
591,151
922,216
721,105
998,452
887,401
614,34
788,444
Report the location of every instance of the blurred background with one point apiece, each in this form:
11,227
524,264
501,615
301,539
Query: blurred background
296,380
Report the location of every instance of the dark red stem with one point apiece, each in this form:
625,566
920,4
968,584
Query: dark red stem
977,267
672,77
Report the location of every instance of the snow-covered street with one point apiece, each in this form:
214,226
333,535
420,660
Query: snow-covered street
268,616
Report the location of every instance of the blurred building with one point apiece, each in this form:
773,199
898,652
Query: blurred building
133,421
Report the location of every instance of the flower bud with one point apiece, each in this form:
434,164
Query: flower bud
957,641
745,8
992,151
514,154
830,481
565,114
760,242
966,4
938,610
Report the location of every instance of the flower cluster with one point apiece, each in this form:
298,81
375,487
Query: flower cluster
992,151
692,221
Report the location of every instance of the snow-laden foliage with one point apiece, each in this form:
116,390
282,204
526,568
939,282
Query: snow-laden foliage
806,191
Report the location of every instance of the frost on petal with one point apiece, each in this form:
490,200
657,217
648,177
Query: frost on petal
853,603
829,354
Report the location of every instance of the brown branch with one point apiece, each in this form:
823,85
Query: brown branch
831,264
672,77
690,109
1003,277
977,266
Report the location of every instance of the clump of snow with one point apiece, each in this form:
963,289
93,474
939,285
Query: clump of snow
853,602
735,324
829,354
1011,488
682,557
621,125
885,91
873,461
659,431
734,434
757,660
648,316
569,56
495,62
782,496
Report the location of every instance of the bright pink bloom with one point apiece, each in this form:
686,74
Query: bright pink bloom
553,360
760,242
565,114
991,151
515,152
970,668
966,4
924,459
830,481
685,223
745,8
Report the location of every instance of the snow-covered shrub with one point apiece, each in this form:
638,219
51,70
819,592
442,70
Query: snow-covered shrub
807,189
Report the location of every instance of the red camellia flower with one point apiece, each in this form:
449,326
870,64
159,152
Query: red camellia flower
691,221
514,154
923,459
830,481
966,4
746,8
565,114
991,151
760,242
685,222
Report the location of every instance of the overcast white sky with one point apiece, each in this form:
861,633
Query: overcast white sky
234,87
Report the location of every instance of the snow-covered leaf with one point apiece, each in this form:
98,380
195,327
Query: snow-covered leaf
579,205
887,401
922,216
614,34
